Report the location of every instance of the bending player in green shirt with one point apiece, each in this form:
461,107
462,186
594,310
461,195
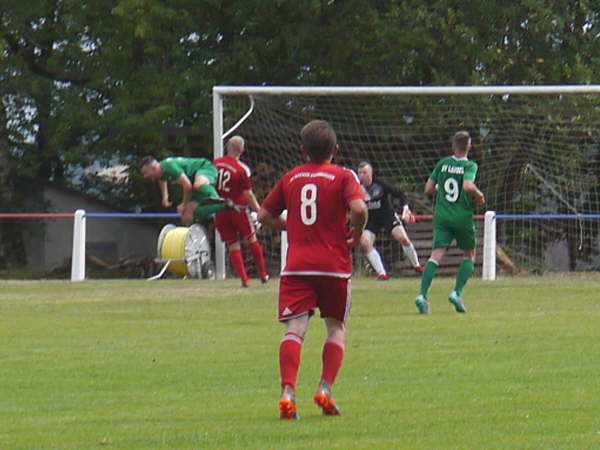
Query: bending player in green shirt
197,177
453,183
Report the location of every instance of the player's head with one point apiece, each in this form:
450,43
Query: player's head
236,146
319,141
365,173
150,168
461,143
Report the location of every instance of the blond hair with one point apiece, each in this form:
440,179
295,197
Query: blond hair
461,141
235,144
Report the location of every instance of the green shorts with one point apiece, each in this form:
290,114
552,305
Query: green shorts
209,171
465,235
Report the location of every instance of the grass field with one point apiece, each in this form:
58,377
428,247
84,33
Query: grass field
188,364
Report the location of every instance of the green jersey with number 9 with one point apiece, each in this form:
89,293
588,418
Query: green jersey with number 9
453,205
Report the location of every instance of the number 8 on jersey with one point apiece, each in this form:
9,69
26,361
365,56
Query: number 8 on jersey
308,204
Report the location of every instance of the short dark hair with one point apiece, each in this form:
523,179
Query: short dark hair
318,139
461,141
146,160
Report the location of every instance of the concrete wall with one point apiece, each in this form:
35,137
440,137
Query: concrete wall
108,239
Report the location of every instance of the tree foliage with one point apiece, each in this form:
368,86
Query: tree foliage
101,82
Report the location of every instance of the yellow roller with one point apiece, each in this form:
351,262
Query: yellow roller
185,252
173,247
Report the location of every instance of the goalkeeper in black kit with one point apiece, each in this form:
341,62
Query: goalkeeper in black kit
383,216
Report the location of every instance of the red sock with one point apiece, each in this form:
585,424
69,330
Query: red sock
259,258
237,261
333,355
289,358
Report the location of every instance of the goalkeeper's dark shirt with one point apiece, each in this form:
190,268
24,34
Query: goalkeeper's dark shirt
377,198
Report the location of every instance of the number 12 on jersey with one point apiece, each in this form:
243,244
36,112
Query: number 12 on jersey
308,204
224,177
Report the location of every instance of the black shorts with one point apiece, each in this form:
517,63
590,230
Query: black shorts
382,220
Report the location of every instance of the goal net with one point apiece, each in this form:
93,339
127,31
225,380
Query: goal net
538,150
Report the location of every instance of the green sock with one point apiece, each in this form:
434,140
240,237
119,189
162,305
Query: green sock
465,270
427,277
208,190
202,212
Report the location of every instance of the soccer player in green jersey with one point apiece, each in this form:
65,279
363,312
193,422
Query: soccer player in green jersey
453,183
197,177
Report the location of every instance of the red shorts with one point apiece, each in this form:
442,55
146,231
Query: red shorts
301,294
234,226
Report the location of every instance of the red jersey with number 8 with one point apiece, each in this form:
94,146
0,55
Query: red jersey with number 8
234,179
316,196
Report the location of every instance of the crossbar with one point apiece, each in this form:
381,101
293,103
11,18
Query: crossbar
406,90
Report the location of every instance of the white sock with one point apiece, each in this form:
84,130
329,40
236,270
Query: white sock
411,254
375,260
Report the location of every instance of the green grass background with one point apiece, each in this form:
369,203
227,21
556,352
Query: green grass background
193,364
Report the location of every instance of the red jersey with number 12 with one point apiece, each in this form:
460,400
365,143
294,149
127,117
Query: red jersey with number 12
234,179
316,196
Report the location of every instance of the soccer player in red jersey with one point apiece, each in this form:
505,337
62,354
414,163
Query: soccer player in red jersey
234,183
317,196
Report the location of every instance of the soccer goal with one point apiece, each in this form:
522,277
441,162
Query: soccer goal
538,150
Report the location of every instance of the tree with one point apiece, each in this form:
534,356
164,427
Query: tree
93,81
103,82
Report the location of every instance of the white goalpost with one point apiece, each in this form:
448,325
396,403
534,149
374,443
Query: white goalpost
537,148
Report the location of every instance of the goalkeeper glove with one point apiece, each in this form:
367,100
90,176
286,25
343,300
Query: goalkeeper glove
407,216
254,220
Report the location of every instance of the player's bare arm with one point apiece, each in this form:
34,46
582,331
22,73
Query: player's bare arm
470,187
430,187
266,218
164,194
358,217
251,200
